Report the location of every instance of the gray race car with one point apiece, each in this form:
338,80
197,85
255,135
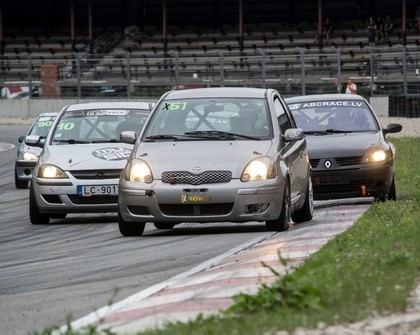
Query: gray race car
216,155
348,150
82,158
27,156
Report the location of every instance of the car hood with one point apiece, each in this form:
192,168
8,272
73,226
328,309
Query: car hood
87,157
346,144
196,156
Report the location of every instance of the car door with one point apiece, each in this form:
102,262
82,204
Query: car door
294,153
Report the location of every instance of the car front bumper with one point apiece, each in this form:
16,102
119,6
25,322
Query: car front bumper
361,181
228,202
61,196
24,169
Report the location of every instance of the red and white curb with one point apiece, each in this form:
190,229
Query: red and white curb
209,288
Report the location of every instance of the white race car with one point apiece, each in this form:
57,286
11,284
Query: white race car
82,159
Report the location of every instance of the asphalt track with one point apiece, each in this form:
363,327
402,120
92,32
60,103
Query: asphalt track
48,270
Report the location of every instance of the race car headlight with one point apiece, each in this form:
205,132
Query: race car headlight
137,170
50,171
259,169
374,155
27,156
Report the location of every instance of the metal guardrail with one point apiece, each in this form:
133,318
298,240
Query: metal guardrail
388,71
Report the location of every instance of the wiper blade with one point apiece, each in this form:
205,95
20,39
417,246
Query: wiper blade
336,131
316,132
112,140
162,137
219,134
73,141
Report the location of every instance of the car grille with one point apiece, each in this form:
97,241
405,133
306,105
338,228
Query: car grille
343,161
314,163
196,210
96,174
102,200
185,177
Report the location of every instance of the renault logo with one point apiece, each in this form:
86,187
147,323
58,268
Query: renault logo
327,164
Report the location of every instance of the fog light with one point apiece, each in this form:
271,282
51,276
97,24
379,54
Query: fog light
256,208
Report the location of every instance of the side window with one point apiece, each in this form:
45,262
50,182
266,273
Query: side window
282,117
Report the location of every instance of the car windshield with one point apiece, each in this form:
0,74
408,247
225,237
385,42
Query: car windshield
42,126
209,119
97,125
333,116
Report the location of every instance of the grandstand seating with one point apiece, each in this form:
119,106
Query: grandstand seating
198,48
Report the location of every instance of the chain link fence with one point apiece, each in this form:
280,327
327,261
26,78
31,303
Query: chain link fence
392,72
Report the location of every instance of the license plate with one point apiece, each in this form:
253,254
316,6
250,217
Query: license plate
331,180
96,190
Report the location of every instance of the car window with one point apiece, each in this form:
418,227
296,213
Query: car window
41,126
233,115
334,115
98,125
282,117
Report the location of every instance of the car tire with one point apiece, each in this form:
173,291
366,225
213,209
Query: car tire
21,184
307,211
164,225
282,223
130,228
35,215
392,194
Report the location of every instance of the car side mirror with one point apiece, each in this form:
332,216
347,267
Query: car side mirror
392,128
128,136
34,141
293,134
21,138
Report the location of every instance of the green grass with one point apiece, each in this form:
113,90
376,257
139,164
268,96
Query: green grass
368,270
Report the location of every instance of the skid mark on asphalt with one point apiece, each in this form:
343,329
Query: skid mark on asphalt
6,146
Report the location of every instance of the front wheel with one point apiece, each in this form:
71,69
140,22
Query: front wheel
282,223
130,228
307,211
392,194
35,215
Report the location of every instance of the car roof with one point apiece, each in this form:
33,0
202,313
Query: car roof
112,104
323,97
48,114
219,92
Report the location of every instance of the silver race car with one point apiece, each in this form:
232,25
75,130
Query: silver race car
82,159
26,155
217,155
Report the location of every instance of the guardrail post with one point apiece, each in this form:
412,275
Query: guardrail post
176,55
302,70
404,58
222,69
78,74
262,53
127,57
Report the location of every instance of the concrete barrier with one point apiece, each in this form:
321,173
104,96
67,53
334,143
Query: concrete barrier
28,109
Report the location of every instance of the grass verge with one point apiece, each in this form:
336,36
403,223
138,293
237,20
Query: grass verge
370,269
